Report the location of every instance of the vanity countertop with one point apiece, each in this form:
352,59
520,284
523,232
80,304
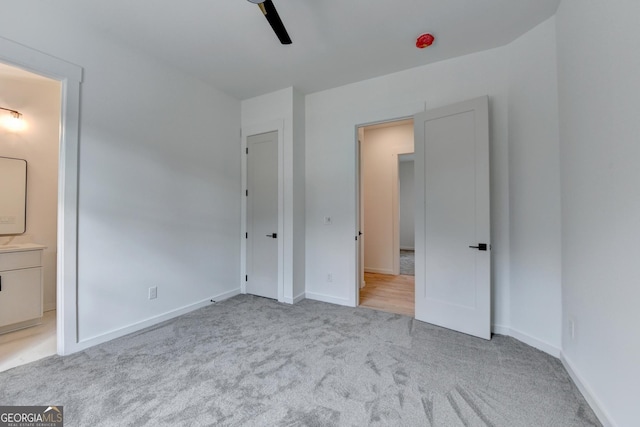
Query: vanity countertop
19,247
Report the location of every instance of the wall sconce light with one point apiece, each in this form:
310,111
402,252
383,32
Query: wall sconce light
14,121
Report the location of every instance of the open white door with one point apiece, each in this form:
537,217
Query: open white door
453,257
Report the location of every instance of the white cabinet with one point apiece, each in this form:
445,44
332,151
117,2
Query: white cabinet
20,286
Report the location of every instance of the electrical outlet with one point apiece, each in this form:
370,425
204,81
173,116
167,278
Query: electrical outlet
153,292
329,277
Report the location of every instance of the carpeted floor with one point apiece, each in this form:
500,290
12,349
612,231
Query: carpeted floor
250,361
407,262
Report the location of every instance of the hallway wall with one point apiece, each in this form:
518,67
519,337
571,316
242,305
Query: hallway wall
380,148
407,204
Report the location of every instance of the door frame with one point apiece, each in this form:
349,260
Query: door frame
359,276
70,77
247,131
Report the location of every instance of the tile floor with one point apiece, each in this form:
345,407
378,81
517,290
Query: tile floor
30,344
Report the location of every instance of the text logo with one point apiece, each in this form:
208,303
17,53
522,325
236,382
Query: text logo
31,416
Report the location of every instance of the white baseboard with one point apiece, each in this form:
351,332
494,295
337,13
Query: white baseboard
49,306
294,300
527,339
21,325
327,298
90,342
501,330
226,295
595,403
378,270
407,248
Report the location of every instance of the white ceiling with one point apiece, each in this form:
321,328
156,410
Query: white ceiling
229,44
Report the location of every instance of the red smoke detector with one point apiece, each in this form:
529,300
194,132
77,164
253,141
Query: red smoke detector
425,40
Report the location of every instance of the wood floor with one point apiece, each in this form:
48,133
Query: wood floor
394,294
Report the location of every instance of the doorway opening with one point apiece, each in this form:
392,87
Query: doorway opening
386,266
37,141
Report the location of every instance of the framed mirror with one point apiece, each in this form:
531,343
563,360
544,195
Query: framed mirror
13,195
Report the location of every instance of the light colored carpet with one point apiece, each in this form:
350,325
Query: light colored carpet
250,361
407,262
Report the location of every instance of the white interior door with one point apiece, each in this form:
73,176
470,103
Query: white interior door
453,274
262,215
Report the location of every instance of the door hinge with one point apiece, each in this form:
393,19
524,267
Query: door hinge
246,193
246,150
246,235
246,278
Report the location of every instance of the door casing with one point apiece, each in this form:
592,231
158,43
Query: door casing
276,125
70,76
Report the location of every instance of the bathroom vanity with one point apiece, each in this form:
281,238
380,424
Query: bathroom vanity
20,286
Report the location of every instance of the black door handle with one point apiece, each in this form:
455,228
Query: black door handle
480,247
273,235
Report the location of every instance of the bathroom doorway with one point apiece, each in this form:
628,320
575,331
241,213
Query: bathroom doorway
37,140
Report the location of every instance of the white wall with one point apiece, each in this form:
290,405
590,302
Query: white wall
332,118
599,88
298,172
534,188
524,167
380,148
39,101
286,106
158,178
407,205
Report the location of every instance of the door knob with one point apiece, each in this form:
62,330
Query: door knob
273,235
480,247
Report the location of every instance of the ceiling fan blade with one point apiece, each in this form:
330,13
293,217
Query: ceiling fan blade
274,20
